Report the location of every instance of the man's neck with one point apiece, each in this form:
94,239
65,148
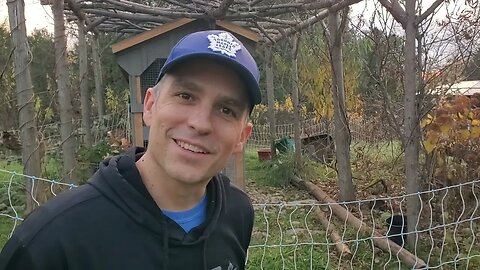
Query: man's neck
169,194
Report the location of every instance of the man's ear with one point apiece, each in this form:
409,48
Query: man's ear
148,105
243,139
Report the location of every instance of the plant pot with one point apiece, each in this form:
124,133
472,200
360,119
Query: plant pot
264,153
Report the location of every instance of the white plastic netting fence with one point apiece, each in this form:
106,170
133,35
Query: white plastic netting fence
292,235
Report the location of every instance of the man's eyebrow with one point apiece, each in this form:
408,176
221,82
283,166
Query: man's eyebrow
185,82
236,102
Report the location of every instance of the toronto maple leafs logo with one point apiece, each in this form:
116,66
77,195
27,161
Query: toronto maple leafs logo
224,43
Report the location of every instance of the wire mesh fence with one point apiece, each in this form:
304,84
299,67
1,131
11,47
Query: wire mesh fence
111,127
310,235
369,131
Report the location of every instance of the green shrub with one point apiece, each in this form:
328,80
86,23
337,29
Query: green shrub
89,158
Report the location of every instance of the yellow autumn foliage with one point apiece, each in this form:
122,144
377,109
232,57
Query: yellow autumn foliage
451,134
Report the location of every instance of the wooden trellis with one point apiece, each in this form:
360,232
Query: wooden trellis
271,20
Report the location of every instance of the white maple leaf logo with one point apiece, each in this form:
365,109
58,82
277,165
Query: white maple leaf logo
224,43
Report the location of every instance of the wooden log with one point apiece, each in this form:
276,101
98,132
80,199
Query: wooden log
341,247
378,239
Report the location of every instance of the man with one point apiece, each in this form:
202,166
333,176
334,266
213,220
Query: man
166,207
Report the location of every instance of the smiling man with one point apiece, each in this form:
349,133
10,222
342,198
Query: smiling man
166,207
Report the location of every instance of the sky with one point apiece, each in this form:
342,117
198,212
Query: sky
38,16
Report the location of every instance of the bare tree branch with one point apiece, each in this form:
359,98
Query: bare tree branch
80,14
264,32
222,9
396,10
6,63
429,11
96,23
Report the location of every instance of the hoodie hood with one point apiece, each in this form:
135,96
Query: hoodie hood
119,180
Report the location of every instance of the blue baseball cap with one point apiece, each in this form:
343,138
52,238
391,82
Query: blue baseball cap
221,46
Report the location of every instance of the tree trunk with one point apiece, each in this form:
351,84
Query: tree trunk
84,93
342,130
412,125
296,109
270,99
64,92
97,73
25,101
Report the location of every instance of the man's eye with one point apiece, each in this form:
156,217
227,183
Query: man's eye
227,111
185,96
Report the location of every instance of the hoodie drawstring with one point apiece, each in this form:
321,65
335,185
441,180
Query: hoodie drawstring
205,254
165,245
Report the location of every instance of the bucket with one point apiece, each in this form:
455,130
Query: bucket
397,229
264,153
285,145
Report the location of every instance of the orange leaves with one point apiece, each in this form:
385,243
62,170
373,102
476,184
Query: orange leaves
475,132
453,124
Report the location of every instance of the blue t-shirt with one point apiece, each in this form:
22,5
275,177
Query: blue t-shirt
190,218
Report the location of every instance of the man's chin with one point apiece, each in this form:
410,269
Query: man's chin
189,178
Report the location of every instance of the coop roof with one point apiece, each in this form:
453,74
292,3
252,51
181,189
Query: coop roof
467,88
171,26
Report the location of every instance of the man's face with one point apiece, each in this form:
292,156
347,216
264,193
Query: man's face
197,119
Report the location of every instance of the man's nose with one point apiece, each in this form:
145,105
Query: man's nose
200,120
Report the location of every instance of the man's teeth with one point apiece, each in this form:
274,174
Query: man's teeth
190,147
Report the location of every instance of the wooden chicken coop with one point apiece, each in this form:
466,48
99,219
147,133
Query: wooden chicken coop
142,57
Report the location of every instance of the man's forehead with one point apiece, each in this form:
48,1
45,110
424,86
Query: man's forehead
213,69
188,81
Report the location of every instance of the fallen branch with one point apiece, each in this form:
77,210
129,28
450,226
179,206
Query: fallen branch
385,187
378,239
341,247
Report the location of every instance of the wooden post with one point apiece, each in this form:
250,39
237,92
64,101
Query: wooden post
270,99
240,169
64,93
84,93
342,131
25,99
412,124
97,73
235,169
296,105
137,116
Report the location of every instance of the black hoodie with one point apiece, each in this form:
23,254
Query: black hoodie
113,223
